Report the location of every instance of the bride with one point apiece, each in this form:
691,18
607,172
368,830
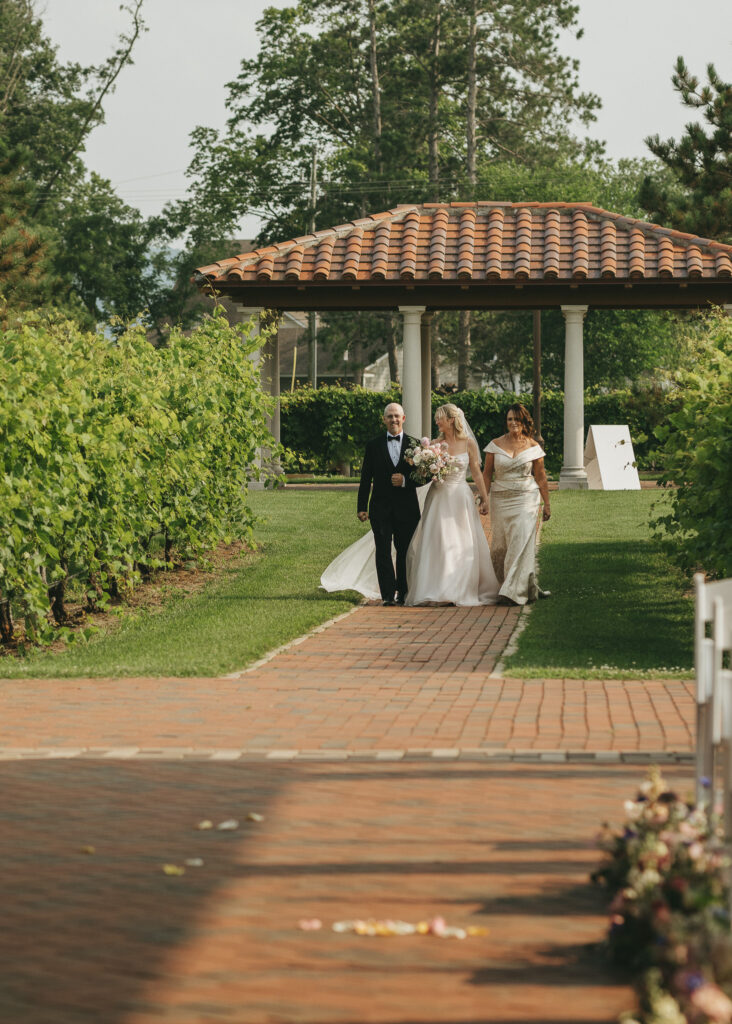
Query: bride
448,561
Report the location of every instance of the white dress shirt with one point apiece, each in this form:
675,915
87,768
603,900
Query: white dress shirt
394,449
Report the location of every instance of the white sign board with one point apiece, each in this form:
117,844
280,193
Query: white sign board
609,459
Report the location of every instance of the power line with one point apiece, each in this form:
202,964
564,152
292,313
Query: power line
296,187
145,177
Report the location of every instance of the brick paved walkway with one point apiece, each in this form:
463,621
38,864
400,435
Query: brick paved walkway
386,680
107,937
378,752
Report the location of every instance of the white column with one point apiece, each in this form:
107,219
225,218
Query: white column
573,475
270,374
412,369
254,313
251,313
426,361
276,383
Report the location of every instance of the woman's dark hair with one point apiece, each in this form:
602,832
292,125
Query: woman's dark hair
523,415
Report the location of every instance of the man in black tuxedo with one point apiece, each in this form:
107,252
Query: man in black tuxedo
393,509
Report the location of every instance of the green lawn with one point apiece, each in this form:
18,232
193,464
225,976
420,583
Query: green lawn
272,598
617,606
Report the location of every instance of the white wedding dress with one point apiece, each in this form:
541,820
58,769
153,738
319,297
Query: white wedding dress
448,562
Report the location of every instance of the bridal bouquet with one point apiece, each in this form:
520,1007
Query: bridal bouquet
432,462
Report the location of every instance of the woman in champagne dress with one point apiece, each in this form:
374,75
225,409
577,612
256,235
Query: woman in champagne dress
515,479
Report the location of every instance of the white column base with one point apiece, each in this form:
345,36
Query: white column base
572,479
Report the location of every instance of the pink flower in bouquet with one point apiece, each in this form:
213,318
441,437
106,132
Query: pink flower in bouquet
432,462
661,913
711,1004
680,953
424,442
658,815
618,902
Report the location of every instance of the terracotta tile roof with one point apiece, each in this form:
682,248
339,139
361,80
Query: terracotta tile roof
483,242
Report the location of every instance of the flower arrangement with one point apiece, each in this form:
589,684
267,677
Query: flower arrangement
431,461
666,874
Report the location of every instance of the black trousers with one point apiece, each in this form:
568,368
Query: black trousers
386,528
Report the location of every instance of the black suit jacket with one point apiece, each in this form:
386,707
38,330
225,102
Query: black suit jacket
387,500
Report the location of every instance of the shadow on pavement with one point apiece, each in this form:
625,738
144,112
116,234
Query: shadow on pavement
106,937
84,933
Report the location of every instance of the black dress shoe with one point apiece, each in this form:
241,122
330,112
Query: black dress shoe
400,599
389,603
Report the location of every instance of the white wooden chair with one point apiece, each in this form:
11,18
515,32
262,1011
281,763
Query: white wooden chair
709,710
722,693
703,657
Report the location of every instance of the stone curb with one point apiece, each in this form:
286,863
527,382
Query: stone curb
512,645
441,755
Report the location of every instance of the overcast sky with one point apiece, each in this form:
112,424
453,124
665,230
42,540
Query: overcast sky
193,48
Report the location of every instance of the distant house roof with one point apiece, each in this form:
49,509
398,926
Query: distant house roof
488,249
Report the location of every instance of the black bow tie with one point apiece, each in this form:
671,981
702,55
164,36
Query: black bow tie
392,438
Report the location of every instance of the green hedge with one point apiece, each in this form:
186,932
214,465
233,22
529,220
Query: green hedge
114,454
697,457
323,429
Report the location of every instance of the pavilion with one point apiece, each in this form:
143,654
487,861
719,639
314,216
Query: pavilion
485,255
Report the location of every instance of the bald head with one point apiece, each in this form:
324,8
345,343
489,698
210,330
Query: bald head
394,418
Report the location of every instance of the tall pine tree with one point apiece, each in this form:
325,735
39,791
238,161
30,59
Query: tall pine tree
26,275
701,162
